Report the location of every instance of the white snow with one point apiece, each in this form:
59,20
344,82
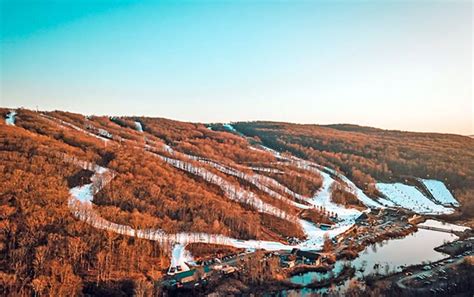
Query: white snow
104,133
229,127
10,119
316,235
67,124
308,165
440,192
443,225
231,191
411,198
101,170
360,194
102,176
386,202
346,216
269,170
138,126
260,244
179,256
83,193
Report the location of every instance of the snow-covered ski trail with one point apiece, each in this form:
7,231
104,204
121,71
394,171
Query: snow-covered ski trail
10,119
81,202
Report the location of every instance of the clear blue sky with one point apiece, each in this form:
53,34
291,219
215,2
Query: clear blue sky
391,64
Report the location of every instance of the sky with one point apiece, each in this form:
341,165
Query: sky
405,65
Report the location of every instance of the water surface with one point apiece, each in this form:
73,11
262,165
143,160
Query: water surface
384,257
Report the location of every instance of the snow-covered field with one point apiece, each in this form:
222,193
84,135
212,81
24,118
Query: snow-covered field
411,198
100,178
346,216
10,119
440,192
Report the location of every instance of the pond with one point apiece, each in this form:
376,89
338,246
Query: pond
384,257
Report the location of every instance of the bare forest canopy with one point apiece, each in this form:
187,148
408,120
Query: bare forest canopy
45,250
366,154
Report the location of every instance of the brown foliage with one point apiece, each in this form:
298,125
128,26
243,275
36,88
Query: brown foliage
363,153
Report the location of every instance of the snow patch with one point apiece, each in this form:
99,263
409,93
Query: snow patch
360,194
179,257
82,193
440,192
85,193
323,199
138,126
443,225
10,119
229,127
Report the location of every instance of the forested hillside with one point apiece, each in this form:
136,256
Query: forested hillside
94,204
368,154
46,250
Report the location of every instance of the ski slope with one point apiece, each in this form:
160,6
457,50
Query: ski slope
179,257
82,193
360,194
138,126
10,119
440,192
82,197
443,225
313,167
409,197
398,195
